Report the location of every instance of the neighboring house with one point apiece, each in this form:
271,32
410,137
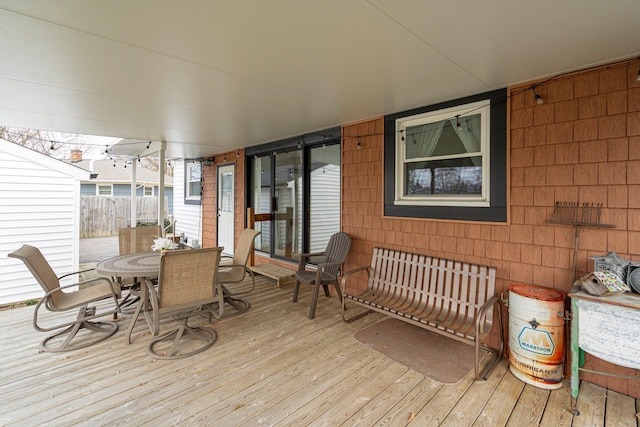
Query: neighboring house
39,205
107,180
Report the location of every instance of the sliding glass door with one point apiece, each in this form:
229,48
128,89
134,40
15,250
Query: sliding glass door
295,194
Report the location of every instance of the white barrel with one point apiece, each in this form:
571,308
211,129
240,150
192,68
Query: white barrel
536,335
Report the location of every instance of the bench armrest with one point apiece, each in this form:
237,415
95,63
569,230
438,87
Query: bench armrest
348,274
482,313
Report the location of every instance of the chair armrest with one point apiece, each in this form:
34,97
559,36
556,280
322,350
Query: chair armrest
115,292
311,254
230,265
75,272
327,264
303,259
115,287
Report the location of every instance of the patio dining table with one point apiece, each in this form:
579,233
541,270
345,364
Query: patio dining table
146,265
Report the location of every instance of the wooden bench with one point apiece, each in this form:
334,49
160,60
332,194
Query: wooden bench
444,296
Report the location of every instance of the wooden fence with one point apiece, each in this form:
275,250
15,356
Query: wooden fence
102,216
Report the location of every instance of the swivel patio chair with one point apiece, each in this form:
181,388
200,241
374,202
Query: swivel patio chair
132,240
234,269
327,269
60,298
187,286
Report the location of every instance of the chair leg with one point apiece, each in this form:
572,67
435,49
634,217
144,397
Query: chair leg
296,287
326,290
337,287
133,320
314,301
207,335
103,330
241,305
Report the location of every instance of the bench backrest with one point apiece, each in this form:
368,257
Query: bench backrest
446,290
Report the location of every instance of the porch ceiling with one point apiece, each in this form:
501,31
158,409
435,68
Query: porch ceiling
212,76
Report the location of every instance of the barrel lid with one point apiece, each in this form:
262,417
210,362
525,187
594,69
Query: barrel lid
537,292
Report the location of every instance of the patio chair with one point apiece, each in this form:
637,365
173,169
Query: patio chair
60,299
234,269
133,240
327,269
187,286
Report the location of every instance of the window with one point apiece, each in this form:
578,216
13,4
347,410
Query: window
193,182
148,191
105,190
448,161
442,157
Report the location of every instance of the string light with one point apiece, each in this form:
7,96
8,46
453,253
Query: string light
458,125
538,98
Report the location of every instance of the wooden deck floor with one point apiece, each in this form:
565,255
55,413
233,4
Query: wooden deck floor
270,366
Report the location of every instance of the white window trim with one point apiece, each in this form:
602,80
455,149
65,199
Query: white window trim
188,195
481,107
104,185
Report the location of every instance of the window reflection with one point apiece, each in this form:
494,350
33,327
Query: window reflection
324,196
288,204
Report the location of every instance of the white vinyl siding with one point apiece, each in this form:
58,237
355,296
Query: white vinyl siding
188,217
40,206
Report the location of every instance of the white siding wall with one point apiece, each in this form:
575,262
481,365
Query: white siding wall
39,206
188,217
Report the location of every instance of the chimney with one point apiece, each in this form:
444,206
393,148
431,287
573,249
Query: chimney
76,155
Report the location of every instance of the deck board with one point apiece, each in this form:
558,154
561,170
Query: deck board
270,366
530,407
